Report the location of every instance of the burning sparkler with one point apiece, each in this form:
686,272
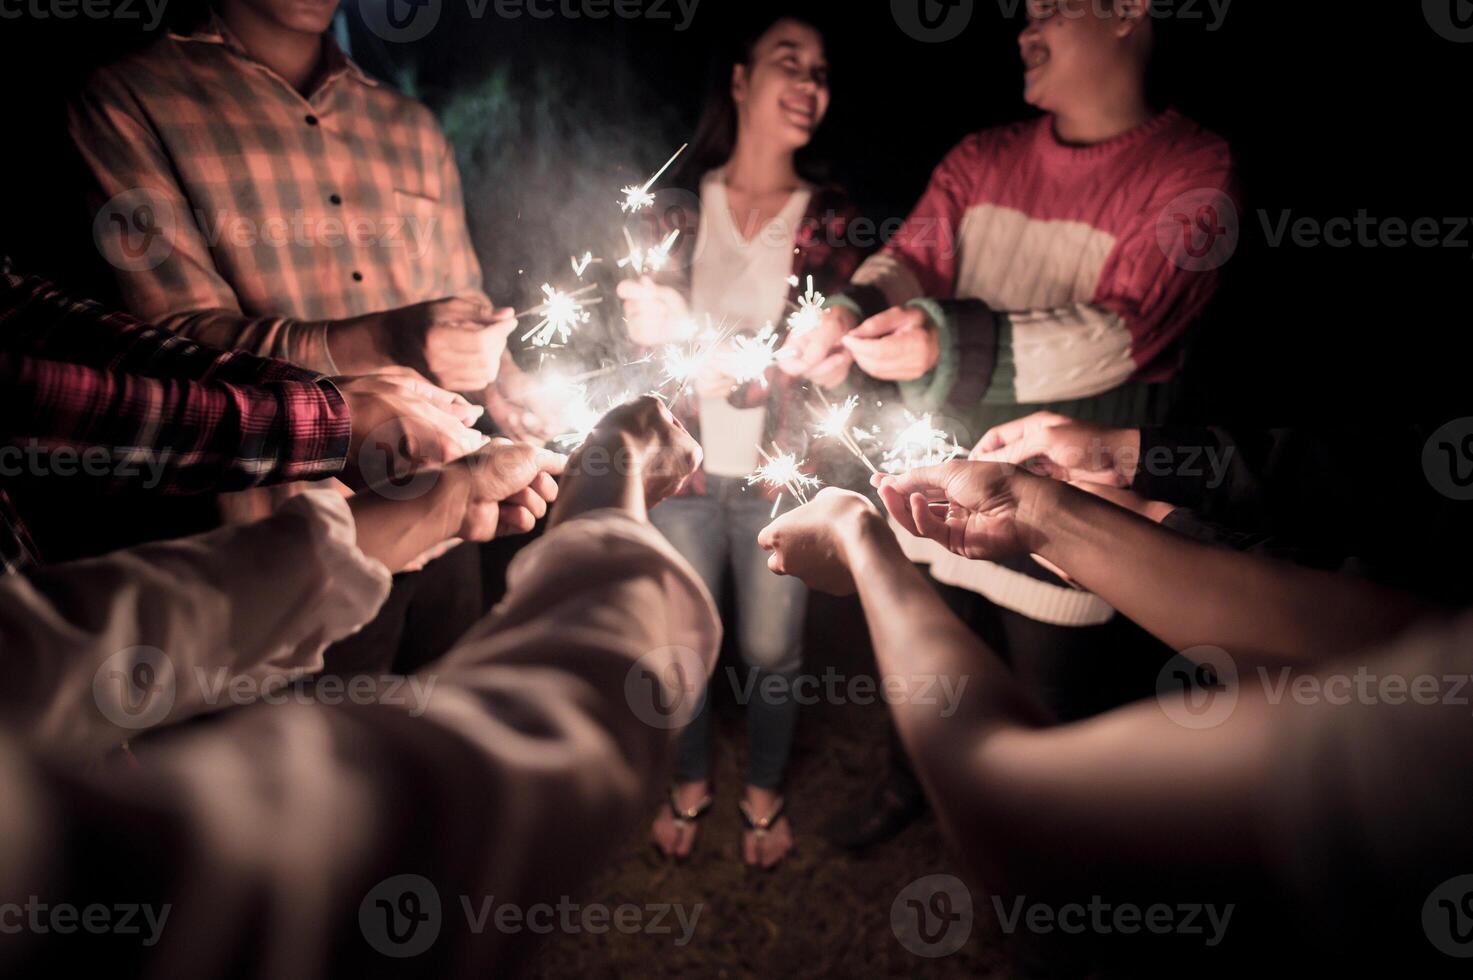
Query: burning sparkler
580,266
835,422
751,356
638,197
652,259
920,444
810,310
561,315
783,470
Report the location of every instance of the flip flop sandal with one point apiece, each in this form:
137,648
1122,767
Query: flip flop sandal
685,819
760,828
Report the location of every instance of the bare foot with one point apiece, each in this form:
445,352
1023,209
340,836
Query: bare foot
676,838
764,849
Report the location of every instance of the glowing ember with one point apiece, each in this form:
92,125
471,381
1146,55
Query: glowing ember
810,311
751,356
561,315
919,444
784,471
638,197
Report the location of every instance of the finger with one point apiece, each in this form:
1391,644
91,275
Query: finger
767,537
460,308
514,521
832,370
451,340
881,324
874,357
545,487
775,563
926,521
550,462
898,506
528,500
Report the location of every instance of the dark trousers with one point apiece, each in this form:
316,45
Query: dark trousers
424,616
1074,672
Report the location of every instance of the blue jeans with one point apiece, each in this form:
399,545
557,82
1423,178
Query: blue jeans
716,534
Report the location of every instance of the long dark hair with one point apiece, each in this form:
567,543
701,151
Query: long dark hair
716,133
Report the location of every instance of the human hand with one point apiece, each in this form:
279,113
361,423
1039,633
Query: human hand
507,489
401,424
660,450
655,315
976,510
809,543
1064,449
900,344
817,354
458,341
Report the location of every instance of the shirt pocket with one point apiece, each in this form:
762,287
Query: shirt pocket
420,241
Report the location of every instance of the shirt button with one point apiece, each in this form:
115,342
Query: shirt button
357,277
335,199
311,120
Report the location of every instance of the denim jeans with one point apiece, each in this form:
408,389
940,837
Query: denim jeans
717,534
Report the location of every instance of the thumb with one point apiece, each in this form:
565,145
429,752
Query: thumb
879,325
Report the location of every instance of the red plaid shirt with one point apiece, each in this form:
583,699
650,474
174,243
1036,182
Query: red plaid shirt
241,214
143,404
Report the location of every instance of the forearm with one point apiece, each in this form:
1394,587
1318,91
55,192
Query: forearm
100,650
605,473
1190,594
396,531
922,648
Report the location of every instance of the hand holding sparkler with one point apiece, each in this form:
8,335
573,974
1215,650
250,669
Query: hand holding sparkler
900,344
636,455
655,315
816,352
458,341
972,509
810,543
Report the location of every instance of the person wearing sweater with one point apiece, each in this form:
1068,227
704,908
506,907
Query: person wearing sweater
1056,264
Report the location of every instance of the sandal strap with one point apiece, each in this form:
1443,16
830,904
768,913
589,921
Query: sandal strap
691,814
763,824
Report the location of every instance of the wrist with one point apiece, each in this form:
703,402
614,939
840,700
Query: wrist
1038,500
863,536
358,346
450,499
1125,453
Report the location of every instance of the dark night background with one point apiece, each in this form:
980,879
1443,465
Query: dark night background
1331,108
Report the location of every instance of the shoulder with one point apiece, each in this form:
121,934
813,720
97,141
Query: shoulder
1188,146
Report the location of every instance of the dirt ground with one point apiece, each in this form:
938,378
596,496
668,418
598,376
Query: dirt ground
822,912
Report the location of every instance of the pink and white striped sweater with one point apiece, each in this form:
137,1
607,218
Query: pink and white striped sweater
1085,265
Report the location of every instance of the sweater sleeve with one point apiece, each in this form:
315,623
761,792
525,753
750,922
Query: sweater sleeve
1151,290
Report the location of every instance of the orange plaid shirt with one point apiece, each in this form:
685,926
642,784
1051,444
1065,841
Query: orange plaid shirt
241,214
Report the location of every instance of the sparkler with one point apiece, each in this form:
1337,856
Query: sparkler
751,356
810,310
834,423
638,197
920,444
783,470
653,259
580,266
561,315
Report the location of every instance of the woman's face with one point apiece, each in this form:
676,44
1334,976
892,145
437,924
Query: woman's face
783,94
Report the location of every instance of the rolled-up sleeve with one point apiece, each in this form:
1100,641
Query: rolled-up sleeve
100,651
373,838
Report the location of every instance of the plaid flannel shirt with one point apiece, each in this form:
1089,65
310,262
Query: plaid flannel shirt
242,214
75,377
